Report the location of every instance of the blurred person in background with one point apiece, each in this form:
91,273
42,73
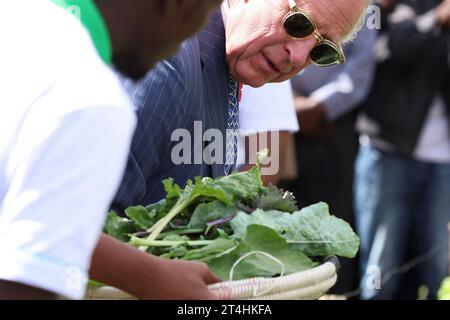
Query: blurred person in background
402,177
326,101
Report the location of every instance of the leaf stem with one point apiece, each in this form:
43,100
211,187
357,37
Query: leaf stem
176,232
138,242
162,223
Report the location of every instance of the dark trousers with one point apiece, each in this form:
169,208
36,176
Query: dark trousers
402,210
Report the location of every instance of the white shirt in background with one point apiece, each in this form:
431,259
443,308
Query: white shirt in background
268,108
65,130
433,145
434,140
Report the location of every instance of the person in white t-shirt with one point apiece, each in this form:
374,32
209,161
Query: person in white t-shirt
267,119
65,129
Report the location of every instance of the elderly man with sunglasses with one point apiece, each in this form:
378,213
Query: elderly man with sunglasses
271,41
252,42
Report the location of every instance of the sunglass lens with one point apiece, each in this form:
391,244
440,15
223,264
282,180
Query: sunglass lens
325,54
298,25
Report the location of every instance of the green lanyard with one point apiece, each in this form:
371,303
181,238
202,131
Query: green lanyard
89,15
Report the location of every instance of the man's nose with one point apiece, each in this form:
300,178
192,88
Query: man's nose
299,50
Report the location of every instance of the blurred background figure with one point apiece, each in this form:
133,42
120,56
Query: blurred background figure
402,180
267,120
326,146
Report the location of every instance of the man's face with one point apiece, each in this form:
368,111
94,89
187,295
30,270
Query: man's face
259,50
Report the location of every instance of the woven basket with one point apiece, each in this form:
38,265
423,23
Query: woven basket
306,285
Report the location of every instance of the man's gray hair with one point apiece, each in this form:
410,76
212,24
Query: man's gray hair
359,25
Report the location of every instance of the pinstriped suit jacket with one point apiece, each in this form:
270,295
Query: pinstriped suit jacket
191,86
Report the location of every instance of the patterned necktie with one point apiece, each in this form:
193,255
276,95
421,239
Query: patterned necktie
232,126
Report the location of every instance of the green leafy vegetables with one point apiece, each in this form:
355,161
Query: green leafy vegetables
444,291
218,221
